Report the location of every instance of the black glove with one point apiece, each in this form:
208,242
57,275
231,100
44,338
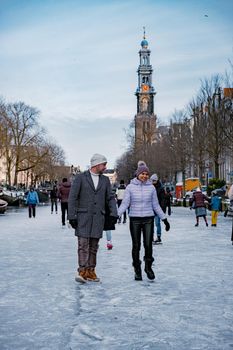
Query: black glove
73,223
113,219
167,225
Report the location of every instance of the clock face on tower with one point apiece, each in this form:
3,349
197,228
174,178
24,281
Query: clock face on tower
145,87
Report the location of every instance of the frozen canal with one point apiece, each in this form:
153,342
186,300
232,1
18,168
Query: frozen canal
189,306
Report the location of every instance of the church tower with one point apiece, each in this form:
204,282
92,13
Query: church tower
145,119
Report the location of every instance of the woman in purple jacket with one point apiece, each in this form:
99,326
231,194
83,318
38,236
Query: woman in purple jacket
141,199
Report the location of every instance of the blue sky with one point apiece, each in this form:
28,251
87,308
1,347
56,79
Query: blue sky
76,62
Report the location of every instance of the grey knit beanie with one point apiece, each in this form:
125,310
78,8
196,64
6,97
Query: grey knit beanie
97,159
142,169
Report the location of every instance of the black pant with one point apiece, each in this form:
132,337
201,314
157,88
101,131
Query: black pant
118,204
32,210
168,209
64,212
53,203
144,225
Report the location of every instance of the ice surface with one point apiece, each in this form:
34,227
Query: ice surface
189,306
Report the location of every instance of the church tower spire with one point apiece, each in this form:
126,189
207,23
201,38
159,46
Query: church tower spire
145,119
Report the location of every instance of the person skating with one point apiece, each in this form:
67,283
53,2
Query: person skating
198,203
230,196
168,201
90,197
109,244
120,195
109,225
215,205
63,195
162,202
141,199
53,198
32,200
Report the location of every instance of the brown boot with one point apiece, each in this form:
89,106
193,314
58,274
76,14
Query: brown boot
81,276
91,275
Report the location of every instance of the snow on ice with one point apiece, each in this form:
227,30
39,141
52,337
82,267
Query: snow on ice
189,306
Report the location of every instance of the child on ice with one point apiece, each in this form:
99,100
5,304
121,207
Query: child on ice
215,205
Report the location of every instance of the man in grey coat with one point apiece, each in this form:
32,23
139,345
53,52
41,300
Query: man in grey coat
89,197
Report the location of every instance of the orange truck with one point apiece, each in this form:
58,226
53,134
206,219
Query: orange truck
190,184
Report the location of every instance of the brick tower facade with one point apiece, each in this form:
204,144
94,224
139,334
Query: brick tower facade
145,119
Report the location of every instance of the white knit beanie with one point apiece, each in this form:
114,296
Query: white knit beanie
97,159
154,177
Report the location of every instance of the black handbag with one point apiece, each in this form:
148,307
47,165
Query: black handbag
108,223
108,220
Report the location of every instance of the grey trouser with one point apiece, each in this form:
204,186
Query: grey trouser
87,251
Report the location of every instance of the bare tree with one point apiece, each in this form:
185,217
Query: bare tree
180,136
22,123
216,142
6,141
47,168
2,128
163,162
227,107
199,134
156,155
126,165
226,111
